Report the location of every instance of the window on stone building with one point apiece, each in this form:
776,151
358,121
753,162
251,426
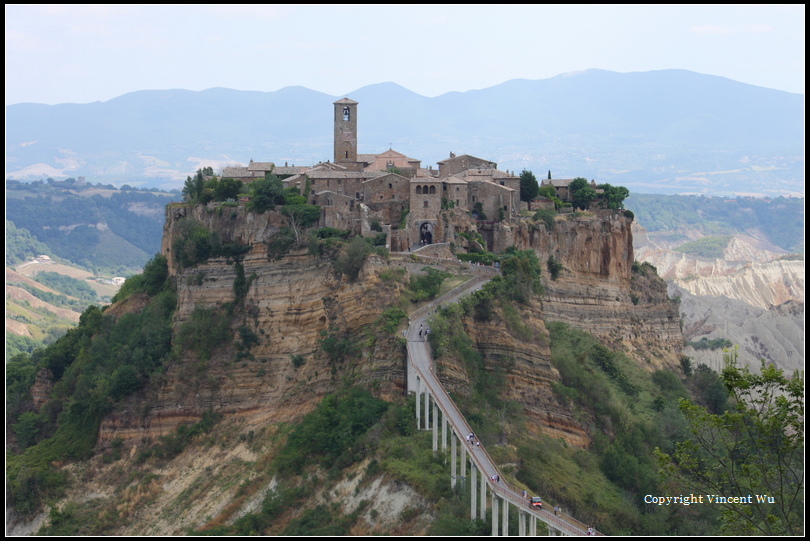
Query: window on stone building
418,190
346,114
433,189
390,185
426,204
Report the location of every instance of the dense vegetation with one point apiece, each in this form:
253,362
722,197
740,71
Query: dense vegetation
753,450
95,365
22,246
68,285
194,244
781,219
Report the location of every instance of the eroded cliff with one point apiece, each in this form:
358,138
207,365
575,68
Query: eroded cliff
600,289
274,369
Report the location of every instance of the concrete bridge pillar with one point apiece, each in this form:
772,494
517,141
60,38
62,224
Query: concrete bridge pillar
482,510
495,513
521,522
532,525
435,427
463,461
453,465
444,432
418,401
427,409
505,519
473,486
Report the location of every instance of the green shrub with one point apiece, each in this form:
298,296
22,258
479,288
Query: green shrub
352,258
298,360
194,244
393,275
205,330
280,243
426,286
547,217
554,267
330,433
151,281
391,319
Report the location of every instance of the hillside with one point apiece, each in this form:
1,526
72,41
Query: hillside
37,314
252,364
98,228
670,131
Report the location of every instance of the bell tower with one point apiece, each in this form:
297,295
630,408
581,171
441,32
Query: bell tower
345,131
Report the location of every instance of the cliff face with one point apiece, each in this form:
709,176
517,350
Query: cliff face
287,305
600,290
290,302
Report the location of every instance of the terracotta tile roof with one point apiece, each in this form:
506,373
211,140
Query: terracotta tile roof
228,172
292,170
557,182
346,174
261,166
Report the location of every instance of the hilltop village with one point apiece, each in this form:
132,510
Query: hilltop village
395,191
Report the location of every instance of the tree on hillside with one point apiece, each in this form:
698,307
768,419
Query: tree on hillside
528,186
581,193
755,447
193,188
614,195
266,193
227,188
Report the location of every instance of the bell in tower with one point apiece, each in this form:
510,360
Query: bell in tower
345,131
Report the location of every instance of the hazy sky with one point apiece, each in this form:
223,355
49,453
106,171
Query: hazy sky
84,53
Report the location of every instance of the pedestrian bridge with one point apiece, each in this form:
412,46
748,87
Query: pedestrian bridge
470,464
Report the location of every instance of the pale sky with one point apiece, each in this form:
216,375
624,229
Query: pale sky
86,53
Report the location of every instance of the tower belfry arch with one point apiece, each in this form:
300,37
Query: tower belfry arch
345,131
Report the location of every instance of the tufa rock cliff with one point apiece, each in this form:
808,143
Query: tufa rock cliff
600,289
287,305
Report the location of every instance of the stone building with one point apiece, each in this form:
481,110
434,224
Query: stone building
355,189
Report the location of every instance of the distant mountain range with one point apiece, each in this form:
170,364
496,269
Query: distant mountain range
670,131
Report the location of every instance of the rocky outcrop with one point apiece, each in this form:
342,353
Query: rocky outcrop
775,334
598,290
526,364
287,306
759,284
